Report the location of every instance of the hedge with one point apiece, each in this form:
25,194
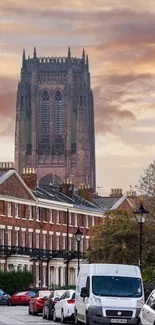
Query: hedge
11,282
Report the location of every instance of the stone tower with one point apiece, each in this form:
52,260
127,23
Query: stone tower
55,119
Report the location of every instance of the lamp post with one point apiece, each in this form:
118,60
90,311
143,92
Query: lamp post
78,236
141,215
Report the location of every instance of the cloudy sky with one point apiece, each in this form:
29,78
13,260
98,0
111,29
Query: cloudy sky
119,36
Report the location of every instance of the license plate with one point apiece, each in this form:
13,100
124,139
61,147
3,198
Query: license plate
120,321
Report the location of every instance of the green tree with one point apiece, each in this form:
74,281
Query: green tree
117,240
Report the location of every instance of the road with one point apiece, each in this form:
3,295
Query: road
18,315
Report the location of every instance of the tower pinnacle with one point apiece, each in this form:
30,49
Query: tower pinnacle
69,52
87,60
83,55
34,53
24,57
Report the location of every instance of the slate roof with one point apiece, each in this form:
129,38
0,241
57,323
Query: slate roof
49,192
4,175
106,203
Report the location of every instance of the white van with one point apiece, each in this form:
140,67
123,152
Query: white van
108,294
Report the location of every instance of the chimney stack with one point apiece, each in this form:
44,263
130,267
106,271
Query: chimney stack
29,176
6,165
67,188
116,192
86,192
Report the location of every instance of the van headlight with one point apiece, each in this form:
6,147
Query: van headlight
96,301
140,303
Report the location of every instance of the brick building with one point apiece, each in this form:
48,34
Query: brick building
55,120
37,226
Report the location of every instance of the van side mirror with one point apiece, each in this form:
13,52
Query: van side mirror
84,292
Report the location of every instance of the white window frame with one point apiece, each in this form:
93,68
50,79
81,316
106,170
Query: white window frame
44,238
9,237
64,242
57,242
93,221
1,236
37,240
57,216
75,219
44,275
37,214
37,275
50,242
16,210
87,221
70,218
16,237
23,238
30,212
70,243
51,216
30,239
9,209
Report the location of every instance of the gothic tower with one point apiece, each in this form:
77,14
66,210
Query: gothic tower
55,119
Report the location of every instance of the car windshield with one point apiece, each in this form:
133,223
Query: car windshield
115,286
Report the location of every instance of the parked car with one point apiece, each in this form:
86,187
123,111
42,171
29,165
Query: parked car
147,314
22,298
50,303
5,299
36,304
64,308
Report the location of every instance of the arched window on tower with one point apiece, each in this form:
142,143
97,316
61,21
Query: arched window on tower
45,116
58,114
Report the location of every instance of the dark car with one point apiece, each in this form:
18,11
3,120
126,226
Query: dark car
50,302
5,299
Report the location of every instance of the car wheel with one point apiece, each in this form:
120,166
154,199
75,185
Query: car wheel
48,314
63,320
9,302
44,316
54,316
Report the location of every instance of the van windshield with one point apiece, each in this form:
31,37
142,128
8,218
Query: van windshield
115,286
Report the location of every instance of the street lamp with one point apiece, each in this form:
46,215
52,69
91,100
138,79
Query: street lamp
78,236
141,215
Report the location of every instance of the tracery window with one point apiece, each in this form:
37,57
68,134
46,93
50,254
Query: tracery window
58,114
45,115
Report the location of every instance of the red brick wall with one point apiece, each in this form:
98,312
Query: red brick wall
13,187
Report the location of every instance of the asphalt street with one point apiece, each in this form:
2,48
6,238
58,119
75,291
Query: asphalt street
18,315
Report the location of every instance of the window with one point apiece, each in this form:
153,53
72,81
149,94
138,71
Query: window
16,238
37,240
30,239
51,216
9,237
44,241
57,242
1,236
82,220
23,238
87,221
44,275
9,209
45,118
64,242
30,212
151,300
37,275
75,245
70,243
37,214
16,210
93,221
115,286
58,114
57,216
87,243
50,242
70,218
75,219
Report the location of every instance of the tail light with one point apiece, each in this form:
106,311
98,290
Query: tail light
71,301
41,300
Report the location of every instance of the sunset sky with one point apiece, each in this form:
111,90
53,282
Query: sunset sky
119,37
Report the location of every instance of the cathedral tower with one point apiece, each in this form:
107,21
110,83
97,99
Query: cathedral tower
55,119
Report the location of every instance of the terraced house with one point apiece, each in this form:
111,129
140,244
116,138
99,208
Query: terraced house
37,226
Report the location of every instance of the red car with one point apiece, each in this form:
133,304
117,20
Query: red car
36,304
22,298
